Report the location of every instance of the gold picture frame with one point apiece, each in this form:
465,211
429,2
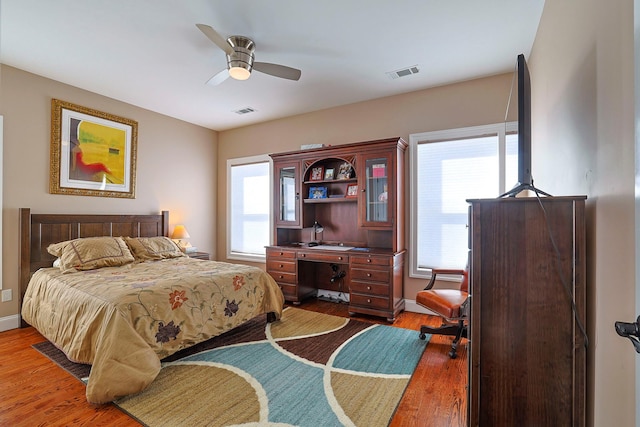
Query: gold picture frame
92,153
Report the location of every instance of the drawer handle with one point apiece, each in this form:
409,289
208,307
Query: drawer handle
281,253
304,255
368,260
280,276
281,265
369,300
340,258
368,274
368,288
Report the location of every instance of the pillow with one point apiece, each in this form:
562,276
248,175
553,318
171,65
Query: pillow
153,248
89,253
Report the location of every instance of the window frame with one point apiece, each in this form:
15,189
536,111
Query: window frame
499,129
241,161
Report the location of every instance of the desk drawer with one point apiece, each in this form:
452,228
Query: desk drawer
323,257
290,292
371,260
282,277
368,301
281,253
373,275
369,288
279,265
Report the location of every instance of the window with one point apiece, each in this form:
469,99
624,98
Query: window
248,208
447,168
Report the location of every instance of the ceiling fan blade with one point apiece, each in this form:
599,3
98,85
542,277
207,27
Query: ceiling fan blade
218,78
216,38
277,70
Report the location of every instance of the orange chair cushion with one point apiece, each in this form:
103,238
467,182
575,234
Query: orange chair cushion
444,302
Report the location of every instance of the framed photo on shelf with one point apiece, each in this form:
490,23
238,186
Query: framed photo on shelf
328,174
317,173
352,190
318,192
344,172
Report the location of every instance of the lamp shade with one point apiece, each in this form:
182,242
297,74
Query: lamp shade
180,232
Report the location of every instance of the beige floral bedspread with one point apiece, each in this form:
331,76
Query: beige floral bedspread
123,320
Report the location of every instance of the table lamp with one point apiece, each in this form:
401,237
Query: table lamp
315,229
180,234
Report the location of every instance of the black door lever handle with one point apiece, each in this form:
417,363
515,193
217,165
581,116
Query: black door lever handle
631,331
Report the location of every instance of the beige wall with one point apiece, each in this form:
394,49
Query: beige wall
176,167
468,103
583,135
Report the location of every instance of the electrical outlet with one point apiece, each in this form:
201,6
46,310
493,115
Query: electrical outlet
6,295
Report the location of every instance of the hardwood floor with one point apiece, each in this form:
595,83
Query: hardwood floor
36,392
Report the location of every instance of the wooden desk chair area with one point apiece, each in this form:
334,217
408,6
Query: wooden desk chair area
450,304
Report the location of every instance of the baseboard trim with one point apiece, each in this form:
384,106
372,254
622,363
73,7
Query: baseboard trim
9,322
412,306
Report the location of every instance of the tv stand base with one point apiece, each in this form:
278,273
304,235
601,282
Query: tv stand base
521,187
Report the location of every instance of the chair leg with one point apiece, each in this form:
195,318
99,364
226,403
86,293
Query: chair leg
451,330
462,332
458,331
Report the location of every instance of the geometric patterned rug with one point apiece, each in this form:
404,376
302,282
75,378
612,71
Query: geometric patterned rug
308,369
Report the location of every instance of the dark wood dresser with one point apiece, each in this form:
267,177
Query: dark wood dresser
527,361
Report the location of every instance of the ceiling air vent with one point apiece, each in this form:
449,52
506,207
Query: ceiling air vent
245,110
403,72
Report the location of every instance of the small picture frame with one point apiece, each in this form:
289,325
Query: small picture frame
344,172
352,190
328,174
318,192
317,173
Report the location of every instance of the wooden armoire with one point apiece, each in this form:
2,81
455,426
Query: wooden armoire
527,359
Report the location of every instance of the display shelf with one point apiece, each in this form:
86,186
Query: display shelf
332,200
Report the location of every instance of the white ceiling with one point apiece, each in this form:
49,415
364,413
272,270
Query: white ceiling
149,53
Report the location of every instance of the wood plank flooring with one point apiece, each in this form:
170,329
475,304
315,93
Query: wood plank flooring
35,392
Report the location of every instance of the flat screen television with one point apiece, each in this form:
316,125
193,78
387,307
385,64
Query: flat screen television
525,179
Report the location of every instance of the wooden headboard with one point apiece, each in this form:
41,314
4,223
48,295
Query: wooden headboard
38,231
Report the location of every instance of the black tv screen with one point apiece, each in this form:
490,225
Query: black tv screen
525,179
524,123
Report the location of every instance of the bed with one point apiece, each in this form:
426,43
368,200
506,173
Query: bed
121,297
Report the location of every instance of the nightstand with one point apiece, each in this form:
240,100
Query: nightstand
199,255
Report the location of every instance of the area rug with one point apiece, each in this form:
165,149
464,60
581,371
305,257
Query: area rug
309,369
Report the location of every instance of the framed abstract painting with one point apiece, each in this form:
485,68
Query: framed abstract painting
92,153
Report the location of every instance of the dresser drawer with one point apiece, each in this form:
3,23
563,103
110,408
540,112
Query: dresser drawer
281,253
368,301
282,277
369,288
373,275
371,260
279,265
323,257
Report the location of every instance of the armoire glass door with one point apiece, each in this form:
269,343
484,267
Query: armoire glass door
377,183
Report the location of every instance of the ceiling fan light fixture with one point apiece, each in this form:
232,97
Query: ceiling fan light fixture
240,59
239,72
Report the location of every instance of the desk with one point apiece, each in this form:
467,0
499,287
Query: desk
373,277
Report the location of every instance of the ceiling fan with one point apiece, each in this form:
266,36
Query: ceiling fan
240,59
